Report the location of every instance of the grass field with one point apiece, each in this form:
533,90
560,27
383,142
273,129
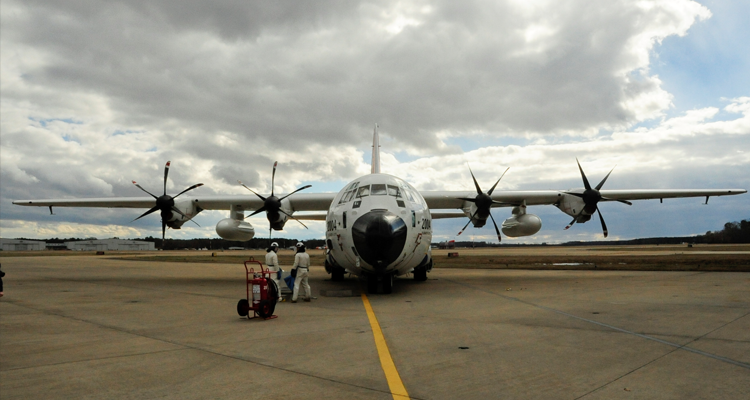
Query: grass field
644,258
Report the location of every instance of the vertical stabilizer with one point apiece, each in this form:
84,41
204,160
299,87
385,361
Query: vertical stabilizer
375,151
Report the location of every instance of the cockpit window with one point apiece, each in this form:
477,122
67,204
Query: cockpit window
378,189
363,191
394,191
346,197
407,192
353,185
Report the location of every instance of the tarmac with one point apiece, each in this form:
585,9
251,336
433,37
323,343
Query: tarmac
91,327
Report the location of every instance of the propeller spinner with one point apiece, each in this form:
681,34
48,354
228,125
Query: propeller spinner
591,197
483,202
272,204
165,203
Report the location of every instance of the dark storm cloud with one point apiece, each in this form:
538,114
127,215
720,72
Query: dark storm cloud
98,93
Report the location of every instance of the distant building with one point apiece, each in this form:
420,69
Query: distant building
22,245
451,244
110,245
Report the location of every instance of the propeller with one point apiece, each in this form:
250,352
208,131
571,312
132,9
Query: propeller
591,198
165,203
483,202
272,204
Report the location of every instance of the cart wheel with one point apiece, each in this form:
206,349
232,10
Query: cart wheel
266,308
273,289
243,308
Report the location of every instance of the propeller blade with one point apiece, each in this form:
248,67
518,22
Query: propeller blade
139,187
290,216
583,175
467,224
188,189
499,238
498,181
155,208
243,185
464,228
302,188
166,172
273,176
260,210
163,228
175,209
618,200
180,212
599,186
571,223
479,190
604,226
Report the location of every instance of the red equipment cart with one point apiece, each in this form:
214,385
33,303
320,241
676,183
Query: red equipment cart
265,292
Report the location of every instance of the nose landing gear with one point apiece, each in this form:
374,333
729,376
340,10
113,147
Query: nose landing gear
375,282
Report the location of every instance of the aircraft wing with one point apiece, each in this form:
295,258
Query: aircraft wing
299,202
451,199
104,202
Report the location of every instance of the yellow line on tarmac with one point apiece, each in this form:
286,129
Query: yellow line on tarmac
391,373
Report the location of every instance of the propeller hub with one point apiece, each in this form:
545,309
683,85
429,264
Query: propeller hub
165,202
272,204
483,202
591,197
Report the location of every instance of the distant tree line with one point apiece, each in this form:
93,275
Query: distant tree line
223,244
207,243
733,232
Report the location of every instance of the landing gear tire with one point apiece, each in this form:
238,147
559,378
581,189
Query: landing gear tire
372,284
243,307
420,274
387,284
337,274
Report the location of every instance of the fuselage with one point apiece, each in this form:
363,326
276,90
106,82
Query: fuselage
378,225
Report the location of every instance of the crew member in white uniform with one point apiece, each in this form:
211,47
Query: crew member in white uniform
272,262
302,263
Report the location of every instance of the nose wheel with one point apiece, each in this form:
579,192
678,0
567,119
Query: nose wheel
376,282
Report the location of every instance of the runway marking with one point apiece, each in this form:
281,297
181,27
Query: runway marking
184,346
389,367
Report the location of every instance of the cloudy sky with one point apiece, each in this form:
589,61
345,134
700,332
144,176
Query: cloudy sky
98,93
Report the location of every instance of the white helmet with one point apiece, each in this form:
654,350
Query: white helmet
300,244
274,244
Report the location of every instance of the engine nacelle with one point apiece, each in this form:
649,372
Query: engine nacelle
232,229
522,225
572,205
175,220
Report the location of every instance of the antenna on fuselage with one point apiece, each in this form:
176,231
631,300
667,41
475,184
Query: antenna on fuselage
375,152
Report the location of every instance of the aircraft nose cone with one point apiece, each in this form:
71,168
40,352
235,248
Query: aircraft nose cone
379,237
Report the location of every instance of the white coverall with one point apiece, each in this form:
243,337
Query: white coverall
272,262
302,263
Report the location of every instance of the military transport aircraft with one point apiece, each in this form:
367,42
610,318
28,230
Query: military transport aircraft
379,226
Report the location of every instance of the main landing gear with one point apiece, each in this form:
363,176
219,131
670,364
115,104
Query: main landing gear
337,273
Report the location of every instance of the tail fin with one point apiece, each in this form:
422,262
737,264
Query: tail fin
375,151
